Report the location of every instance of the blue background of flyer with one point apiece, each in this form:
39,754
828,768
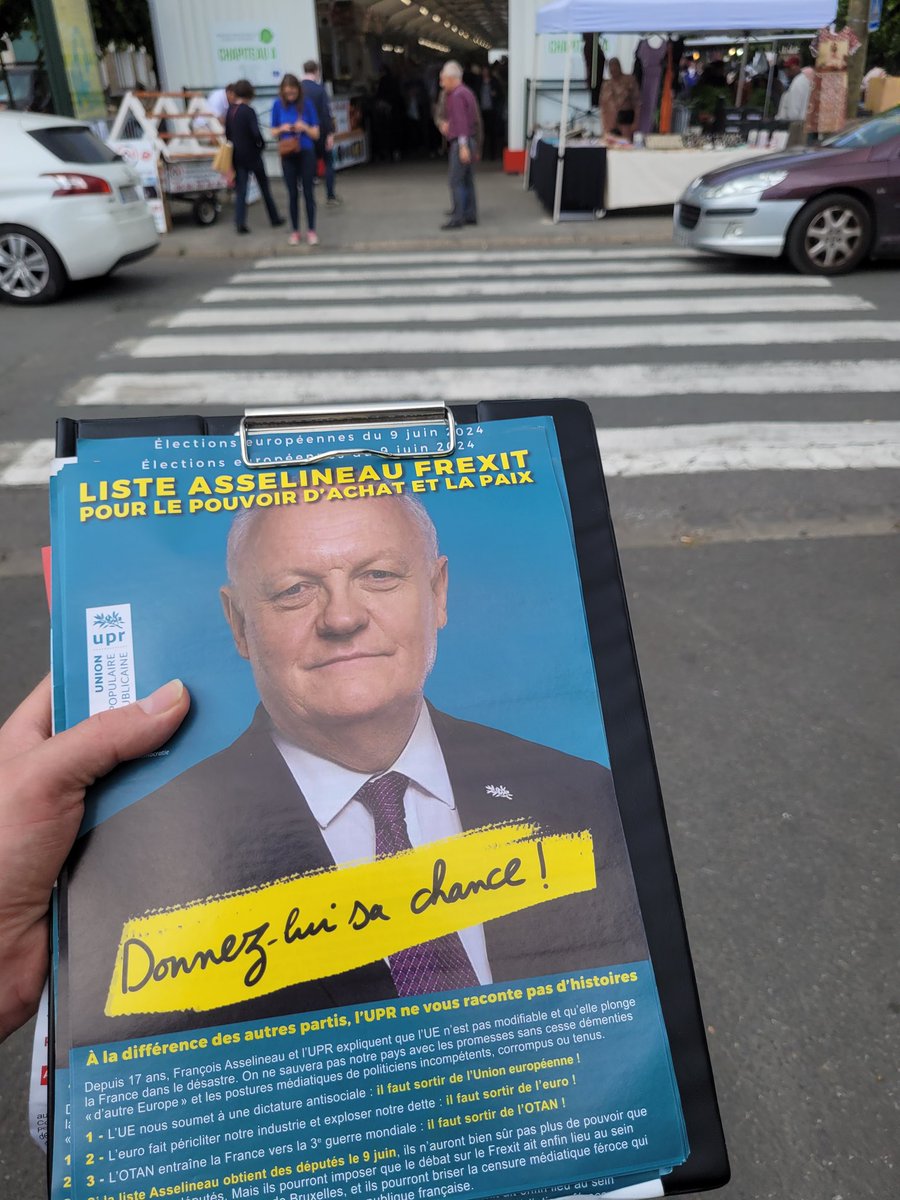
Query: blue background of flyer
547,1124
514,655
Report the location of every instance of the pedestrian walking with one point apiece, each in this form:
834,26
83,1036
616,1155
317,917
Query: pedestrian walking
460,127
242,130
295,124
315,90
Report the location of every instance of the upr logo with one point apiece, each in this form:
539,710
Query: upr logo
266,36
108,628
110,620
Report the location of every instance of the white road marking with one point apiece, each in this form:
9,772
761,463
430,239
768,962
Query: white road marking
610,271
513,310
666,450
581,254
740,377
546,339
516,310
661,284
23,463
751,446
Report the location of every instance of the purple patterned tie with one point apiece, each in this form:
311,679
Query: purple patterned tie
441,964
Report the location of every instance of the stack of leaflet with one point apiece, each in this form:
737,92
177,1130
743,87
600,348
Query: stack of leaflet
380,919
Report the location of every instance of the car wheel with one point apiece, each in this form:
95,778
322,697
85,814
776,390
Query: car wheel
206,210
831,236
31,272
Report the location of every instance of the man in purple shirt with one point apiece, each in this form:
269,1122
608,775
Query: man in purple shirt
460,128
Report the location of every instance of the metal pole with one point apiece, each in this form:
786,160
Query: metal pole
770,80
858,20
48,32
742,74
563,130
6,80
532,112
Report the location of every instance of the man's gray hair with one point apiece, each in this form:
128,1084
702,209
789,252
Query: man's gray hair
452,68
240,531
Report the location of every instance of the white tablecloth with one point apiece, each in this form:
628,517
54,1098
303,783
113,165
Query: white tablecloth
640,178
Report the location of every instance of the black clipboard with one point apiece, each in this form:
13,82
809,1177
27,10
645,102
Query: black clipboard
625,715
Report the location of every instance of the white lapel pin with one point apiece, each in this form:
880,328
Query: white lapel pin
498,790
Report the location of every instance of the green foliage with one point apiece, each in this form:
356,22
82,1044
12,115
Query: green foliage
885,43
124,22
15,17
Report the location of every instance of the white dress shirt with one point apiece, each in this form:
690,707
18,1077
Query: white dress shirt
217,103
793,104
349,828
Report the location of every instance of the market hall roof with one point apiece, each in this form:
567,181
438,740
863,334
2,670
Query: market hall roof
460,25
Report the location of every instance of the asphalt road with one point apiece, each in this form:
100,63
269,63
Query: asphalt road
764,608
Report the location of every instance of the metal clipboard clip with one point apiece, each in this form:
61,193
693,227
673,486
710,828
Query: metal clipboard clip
329,418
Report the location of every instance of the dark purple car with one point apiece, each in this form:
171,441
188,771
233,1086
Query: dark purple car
827,207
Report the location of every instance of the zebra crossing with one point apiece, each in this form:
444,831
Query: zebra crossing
646,326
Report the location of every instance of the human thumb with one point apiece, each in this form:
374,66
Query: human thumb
42,792
76,757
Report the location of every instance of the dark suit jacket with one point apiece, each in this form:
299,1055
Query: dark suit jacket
315,91
238,820
242,130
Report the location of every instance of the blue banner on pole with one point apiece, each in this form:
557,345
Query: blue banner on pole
875,8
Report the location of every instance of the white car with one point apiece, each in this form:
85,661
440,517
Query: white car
69,207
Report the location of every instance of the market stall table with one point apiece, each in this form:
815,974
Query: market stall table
583,180
643,178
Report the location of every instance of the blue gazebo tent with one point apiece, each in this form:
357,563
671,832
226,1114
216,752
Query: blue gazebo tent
666,16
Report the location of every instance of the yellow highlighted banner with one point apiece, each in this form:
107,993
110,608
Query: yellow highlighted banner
232,948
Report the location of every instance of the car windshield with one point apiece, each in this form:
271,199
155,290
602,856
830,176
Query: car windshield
870,133
74,144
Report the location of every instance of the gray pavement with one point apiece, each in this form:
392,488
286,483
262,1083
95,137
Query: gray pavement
396,206
764,611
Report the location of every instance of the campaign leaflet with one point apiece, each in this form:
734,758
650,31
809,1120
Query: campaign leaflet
367,925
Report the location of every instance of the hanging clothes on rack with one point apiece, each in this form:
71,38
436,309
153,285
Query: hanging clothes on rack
619,102
651,54
665,103
827,110
594,64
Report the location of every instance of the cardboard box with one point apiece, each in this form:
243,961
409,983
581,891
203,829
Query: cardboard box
883,93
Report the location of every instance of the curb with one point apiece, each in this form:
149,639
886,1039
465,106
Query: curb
257,249
221,244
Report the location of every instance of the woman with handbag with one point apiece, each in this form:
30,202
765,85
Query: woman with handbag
242,131
295,123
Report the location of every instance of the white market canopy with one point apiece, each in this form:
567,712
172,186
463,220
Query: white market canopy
682,16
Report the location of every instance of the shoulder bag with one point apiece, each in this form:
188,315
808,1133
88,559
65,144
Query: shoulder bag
223,159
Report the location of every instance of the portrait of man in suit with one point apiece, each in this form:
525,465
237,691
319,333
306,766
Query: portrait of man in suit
338,607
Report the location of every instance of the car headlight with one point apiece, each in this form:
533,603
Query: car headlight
744,185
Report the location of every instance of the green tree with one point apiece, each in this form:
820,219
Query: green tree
15,17
123,22
884,44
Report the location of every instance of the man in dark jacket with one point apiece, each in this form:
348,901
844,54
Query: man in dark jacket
314,89
242,130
